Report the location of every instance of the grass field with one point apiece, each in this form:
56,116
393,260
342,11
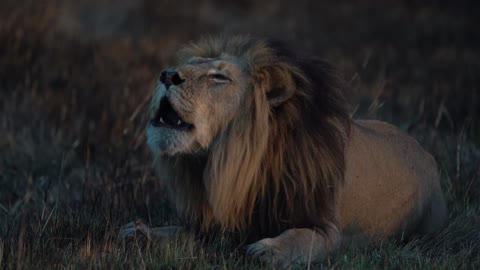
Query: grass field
75,77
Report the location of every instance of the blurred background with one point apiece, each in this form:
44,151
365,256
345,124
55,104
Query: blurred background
75,77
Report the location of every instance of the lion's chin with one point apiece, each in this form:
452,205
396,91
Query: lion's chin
168,141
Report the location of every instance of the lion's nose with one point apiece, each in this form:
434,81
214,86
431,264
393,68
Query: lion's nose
170,77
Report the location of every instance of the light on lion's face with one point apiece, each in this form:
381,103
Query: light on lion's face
193,102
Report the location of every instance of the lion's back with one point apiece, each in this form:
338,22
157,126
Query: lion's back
390,182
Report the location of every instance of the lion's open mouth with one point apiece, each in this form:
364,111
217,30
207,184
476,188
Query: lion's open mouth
167,117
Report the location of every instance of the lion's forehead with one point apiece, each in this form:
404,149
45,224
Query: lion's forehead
224,62
199,60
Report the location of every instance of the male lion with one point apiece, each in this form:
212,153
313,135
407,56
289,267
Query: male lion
250,136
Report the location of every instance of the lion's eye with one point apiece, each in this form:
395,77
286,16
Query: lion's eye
219,78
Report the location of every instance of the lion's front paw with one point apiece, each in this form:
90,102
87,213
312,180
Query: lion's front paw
136,230
267,250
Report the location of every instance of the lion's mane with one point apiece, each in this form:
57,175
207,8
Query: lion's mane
274,166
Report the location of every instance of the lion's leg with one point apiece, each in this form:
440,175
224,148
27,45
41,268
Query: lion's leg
296,245
138,230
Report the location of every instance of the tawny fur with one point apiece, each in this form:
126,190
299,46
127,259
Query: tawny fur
283,159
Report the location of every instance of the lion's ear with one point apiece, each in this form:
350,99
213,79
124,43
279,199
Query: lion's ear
282,85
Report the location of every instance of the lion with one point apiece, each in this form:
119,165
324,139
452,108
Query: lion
251,136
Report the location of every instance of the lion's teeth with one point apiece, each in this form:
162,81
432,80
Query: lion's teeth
179,122
161,120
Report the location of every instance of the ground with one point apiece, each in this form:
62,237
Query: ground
75,78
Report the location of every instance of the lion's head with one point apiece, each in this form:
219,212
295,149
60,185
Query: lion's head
198,99
245,129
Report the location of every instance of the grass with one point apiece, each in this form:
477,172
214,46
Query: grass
75,78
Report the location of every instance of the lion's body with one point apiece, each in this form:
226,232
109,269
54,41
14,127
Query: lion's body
391,184
250,136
